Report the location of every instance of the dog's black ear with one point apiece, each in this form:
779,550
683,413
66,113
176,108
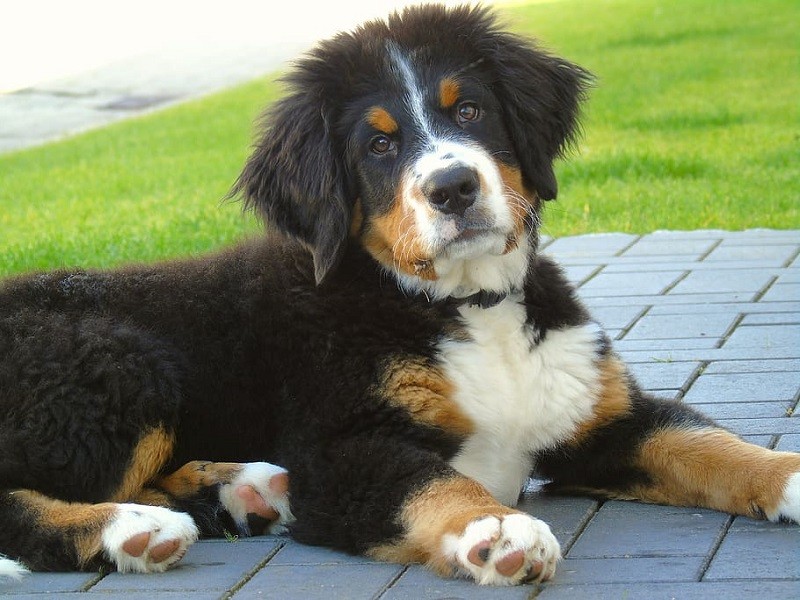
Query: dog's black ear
296,179
541,96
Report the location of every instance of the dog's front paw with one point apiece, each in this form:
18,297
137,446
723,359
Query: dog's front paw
505,550
258,498
147,539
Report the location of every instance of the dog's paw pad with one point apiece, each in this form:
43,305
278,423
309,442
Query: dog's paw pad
505,550
136,545
254,504
279,483
164,551
147,539
261,490
510,563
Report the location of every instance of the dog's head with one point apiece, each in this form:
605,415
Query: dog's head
428,138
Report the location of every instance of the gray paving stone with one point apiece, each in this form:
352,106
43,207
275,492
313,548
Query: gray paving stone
577,274
789,442
777,426
677,301
636,264
593,245
709,354
672,591
789,276
625,529
788,318
744,387
669,395
744,410
564,514
783,292
748,524
723,281
765,441
753,366
299,554
755,237
417,583
622,284
767,337
208,565
652,327
664,376
48,583
656,246
320,582
617,317
777,254
629,569
147,595
765,554
666,344
692,308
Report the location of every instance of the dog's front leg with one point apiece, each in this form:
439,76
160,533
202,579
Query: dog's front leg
396,502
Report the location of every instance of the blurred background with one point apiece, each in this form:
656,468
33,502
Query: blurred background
42,40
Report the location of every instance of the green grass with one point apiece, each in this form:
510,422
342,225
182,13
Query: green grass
693,124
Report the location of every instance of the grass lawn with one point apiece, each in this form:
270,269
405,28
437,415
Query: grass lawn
693,124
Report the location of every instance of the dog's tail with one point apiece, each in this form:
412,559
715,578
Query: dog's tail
11,569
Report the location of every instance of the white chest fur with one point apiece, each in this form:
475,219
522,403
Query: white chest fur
522,396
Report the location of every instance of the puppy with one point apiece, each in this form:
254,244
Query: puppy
396,342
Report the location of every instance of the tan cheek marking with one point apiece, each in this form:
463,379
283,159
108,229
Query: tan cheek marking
519,199
715,469
357,222
380,119
449,91
445,506
150,454
426,394
83,523
613,397
392,239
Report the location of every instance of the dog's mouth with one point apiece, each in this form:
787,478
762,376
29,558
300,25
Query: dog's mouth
470,240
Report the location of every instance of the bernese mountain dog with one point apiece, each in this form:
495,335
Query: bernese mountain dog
396,343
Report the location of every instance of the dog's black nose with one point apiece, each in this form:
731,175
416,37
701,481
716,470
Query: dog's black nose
452,190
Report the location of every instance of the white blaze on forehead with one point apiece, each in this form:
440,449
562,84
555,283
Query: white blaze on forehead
415,99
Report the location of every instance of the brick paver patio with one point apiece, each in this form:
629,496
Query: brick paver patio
709,318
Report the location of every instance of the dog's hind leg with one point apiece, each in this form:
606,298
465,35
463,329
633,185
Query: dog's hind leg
241,498
639,447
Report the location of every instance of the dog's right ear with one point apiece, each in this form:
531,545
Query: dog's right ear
296,180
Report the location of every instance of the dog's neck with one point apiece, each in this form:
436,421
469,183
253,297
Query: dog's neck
483,281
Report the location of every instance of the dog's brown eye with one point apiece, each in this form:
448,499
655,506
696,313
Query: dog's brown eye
381,145
468,111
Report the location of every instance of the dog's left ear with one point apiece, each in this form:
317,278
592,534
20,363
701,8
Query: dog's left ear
541,96
296,179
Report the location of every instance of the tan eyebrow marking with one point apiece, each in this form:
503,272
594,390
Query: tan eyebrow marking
381,120
449,90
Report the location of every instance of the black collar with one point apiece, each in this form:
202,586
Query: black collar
482,299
